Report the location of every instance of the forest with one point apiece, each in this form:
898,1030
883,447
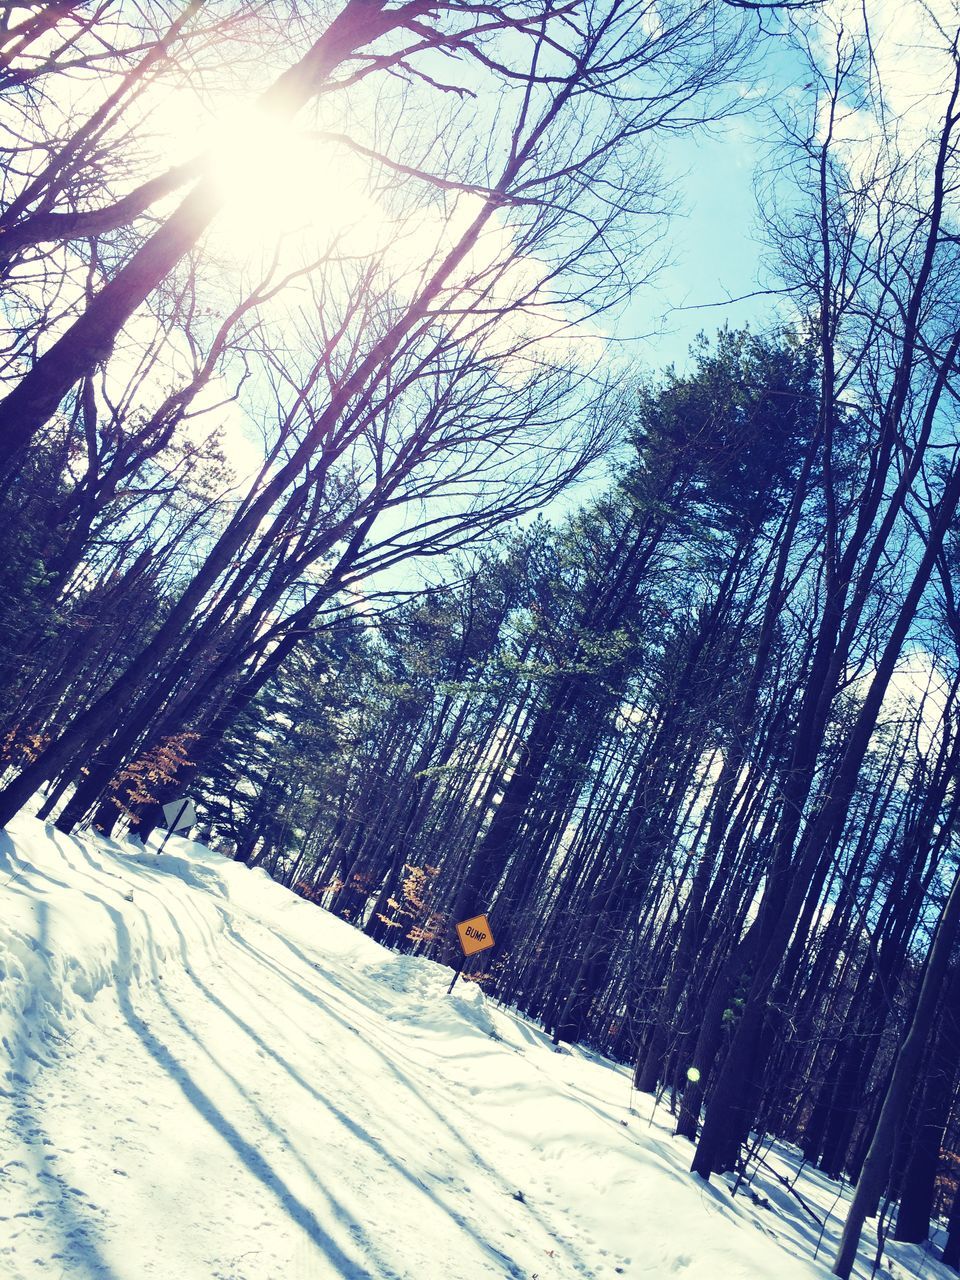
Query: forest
337,496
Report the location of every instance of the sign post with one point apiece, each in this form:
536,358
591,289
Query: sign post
179,815
475,935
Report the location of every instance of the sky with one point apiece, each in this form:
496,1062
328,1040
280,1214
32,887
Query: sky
714,250
716,244
712,242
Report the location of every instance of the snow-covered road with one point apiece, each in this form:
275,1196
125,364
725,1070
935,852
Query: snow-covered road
206,1078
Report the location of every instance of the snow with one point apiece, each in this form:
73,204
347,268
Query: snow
206,1078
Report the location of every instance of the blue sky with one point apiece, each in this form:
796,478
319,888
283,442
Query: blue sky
716,250
714,243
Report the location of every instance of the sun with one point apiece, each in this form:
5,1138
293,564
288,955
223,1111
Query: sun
279,181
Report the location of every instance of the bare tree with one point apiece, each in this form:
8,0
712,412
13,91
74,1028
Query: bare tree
439,397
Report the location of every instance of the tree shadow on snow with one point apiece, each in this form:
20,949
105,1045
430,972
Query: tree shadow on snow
205,1107
352,1126
341,1264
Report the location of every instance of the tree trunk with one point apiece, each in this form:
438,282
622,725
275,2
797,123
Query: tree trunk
876,1166
920,1176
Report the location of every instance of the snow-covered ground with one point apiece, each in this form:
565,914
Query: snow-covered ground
206,1078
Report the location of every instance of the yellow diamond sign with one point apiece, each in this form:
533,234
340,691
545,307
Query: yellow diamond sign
475,935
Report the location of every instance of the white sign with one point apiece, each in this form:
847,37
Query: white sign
180,815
